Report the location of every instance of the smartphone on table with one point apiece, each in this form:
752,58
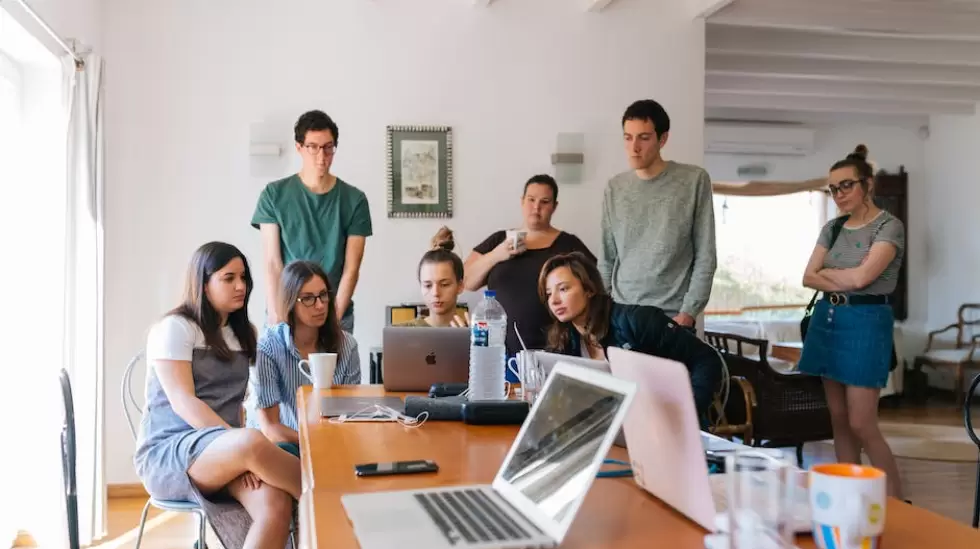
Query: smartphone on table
395,468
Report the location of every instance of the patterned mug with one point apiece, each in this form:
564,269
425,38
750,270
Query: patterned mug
847,503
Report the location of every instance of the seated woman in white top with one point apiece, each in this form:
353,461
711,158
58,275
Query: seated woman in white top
311,326
191,445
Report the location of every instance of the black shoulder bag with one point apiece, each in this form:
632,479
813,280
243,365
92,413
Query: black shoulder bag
834,233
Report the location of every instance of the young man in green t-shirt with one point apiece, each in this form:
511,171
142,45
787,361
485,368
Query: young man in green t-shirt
316,216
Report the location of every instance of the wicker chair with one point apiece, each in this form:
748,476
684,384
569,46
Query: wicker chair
780,408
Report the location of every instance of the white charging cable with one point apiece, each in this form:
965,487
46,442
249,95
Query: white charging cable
380,413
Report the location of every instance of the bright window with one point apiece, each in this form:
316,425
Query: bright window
764,243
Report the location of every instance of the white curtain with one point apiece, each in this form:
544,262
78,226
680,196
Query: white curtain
84,301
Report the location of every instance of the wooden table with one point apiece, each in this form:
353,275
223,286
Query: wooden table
789,351
616,513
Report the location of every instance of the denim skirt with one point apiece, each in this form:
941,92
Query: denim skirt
850,344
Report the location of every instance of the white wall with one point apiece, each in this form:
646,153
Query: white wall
953,249
953,166
890,147
185,79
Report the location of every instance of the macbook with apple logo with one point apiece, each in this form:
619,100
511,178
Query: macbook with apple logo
415,358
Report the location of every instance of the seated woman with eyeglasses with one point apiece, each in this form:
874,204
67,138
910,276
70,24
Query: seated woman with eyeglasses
587,322
440,275
310,326
191,446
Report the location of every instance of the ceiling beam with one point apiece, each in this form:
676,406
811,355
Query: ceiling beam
836,104
706,8
775,85
934,18
845,70
825,45
910,121
596,5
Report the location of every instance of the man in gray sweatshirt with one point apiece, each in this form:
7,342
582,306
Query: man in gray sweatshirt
658,223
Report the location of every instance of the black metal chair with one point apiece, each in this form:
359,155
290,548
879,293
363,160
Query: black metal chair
68,450
967,405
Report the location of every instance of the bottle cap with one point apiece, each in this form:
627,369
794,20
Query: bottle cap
489,293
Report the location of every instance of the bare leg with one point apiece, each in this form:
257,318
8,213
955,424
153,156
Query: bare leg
862,411
271,510
846,445
238,451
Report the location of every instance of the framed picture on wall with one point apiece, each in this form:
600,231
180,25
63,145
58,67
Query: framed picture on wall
420,171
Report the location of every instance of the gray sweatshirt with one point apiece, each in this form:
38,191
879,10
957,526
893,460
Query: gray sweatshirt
658,239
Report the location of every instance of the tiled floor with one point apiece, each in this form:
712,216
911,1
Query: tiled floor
942,487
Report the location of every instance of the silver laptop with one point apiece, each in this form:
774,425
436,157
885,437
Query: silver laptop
537,491
413,358
331,406
666,447
547,361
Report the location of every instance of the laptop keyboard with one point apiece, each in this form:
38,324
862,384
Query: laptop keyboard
470,516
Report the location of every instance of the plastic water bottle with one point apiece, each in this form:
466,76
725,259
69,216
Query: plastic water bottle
488,332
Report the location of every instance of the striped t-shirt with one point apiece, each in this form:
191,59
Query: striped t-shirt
853,244
277,375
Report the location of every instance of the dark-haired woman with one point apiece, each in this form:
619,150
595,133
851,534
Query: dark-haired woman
512,270
850,336
440,275
587,322
191,445
311,326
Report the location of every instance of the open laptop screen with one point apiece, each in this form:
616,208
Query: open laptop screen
552,464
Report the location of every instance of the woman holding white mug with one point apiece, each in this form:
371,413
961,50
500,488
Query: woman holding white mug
310,334
509,262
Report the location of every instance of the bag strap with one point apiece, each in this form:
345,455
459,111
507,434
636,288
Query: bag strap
835,230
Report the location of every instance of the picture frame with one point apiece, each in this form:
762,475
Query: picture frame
420,171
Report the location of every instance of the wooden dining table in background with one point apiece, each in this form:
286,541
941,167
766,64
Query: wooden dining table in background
616,512
789,351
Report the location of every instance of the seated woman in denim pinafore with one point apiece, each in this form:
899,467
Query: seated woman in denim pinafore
191,445
849,339
311,326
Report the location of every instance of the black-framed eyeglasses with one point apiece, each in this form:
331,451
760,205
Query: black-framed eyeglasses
310,299
843,187
315,149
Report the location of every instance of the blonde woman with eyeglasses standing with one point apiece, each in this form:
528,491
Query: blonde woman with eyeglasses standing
850,335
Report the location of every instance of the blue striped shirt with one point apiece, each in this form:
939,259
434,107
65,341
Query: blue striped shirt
277,375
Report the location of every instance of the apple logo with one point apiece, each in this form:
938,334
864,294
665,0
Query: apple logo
430,358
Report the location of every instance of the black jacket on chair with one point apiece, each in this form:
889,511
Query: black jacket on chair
647,329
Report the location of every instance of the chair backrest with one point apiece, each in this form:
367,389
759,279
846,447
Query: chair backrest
128,400
734,344
68,449
968,315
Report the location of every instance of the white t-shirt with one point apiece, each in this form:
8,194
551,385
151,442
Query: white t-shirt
175,338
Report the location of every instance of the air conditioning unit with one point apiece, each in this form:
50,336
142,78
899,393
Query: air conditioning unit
758,139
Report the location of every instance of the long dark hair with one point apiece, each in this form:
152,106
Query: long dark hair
196,307
293,277
441,251
597,310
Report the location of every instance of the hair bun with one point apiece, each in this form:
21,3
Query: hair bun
443,239
860,153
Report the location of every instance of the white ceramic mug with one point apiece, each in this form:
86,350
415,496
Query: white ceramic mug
517,238
320,368
847,503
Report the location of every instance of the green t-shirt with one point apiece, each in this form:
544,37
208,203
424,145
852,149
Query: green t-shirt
314,227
